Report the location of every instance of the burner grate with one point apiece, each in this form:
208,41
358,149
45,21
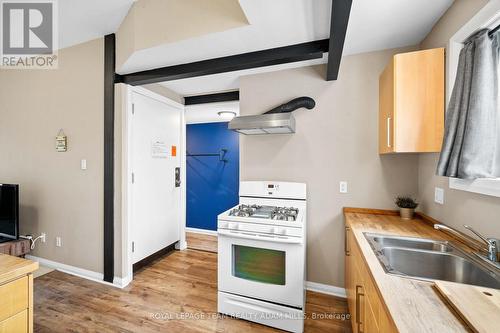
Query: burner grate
266,212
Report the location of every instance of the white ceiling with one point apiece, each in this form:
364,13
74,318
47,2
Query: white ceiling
84,20
373,25
207,113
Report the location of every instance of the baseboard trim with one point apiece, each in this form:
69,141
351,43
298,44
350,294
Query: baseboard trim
80,272
155,256
202,231
326,289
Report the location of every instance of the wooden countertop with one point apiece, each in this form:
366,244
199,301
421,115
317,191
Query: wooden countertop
12,268
414,305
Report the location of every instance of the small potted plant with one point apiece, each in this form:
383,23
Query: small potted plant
406,206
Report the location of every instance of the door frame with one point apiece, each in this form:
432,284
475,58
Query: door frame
126,175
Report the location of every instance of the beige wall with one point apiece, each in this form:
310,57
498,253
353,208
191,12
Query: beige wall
335,141
165,92
56,196
479,211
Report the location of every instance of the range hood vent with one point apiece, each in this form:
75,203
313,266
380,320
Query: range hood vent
274,123
279,120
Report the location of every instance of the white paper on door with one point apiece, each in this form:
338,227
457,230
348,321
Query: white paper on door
159,149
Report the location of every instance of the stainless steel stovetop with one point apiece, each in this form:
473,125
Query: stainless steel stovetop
266,212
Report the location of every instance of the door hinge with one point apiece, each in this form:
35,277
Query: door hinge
133,246
133,108
133,178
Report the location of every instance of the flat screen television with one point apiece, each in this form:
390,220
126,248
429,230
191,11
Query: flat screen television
9,212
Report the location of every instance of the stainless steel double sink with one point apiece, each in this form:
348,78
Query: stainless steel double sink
429,259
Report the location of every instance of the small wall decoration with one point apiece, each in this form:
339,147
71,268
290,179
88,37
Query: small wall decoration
61,142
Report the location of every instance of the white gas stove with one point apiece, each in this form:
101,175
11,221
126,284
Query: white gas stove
261,258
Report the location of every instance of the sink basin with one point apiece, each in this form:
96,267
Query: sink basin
411,243
438,266
429,259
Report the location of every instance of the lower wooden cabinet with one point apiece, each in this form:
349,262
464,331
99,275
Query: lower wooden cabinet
15,324
16,294
367,311
16,305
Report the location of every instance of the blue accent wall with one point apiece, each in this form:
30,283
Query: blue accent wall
212,186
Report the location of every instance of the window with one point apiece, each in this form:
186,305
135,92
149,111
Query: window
488,17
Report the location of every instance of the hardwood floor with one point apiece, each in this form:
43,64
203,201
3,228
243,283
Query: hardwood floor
201,242
175,294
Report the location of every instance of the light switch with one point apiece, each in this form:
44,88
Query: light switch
83,164
343,187
439,195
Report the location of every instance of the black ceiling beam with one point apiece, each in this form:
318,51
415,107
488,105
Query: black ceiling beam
341,10
276,56
212,98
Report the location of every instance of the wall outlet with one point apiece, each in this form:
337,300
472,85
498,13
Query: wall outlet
43,237
343,187
58,241
439,195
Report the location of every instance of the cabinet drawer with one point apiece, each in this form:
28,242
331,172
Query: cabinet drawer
15,324
14,296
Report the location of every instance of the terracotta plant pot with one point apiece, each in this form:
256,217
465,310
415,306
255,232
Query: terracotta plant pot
407,213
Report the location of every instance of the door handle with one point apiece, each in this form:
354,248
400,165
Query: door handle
346,242
177,177
359,322
274,239
389,132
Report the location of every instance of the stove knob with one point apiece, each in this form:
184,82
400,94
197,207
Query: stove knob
283,232
223,225
233,226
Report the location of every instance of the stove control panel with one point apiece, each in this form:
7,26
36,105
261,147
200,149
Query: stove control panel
272,188
259,228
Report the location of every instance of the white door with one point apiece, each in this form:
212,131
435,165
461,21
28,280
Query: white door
155,199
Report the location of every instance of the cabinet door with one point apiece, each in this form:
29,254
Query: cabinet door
15,324
386,110
419,100
366,320
349,277
13,297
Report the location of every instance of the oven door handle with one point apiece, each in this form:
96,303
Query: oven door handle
287,240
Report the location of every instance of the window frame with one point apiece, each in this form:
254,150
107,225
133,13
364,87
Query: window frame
487,17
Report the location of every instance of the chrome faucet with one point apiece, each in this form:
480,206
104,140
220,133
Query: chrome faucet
492,244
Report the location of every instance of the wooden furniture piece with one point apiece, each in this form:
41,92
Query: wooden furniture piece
381,302
367,309
15,248
478,306
411,103
16,294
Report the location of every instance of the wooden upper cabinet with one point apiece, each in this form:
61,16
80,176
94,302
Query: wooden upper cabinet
411,103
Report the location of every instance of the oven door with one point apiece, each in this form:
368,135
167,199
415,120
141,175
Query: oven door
262,267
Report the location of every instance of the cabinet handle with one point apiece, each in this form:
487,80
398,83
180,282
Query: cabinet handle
359,322
389,132
346,242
